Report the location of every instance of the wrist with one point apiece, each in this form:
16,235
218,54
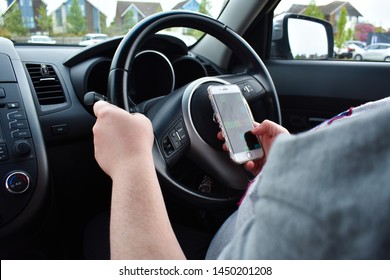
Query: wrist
132,167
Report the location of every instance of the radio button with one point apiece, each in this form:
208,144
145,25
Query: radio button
3,152
22,148
2,93
18,124
21,133
17,115
13,105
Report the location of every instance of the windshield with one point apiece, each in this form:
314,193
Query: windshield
85,22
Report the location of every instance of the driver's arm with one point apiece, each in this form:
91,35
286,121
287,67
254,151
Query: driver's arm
139,227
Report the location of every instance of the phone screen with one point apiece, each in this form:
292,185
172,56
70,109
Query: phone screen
237,122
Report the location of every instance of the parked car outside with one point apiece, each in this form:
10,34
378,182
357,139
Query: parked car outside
348,49
93,38
40,39
374,52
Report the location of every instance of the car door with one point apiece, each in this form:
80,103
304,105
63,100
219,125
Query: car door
311,91
373,53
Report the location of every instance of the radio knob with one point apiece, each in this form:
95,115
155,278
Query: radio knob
22,148
17,182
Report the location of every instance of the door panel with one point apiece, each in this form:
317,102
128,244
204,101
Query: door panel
311,91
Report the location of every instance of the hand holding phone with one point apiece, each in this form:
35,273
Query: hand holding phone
236,122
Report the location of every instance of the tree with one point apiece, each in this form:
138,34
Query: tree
13,21
204,7
362,30
76,20
44,22
312,10
128,21
341,32
103,25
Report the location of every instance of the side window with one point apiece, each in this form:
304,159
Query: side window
359,28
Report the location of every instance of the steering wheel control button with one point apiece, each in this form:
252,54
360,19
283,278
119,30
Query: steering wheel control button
168,147
181,132
249,89
17,182
175,139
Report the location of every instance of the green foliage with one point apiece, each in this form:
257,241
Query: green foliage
380,29
103,26
204,7
349,34
341,35
13,22
5,33
312,10
128,21
76,21
194,33
44,22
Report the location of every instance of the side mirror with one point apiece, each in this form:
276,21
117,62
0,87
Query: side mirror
301,37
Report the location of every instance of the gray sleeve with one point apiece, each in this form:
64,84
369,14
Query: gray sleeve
323,195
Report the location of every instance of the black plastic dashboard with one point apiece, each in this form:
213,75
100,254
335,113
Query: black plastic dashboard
46,130
24,167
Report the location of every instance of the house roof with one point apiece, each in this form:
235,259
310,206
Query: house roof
335,6
179,5
328,9
147,8
297,9
186,5
86,1
15,1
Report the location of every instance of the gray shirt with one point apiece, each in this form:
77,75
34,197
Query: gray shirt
323,194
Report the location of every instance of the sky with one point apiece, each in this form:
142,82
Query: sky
377,14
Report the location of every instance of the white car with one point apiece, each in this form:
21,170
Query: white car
93,38
374,52
41,39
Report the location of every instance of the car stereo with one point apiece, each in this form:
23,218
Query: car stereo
18,166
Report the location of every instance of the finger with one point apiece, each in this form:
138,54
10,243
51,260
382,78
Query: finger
261,128
250,165
100,106
219,135
224,147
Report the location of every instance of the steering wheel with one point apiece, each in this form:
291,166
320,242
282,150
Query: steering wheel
183,120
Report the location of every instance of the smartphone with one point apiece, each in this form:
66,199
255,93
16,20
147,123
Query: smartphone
236,122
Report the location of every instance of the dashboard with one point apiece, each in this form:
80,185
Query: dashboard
162,65
46,147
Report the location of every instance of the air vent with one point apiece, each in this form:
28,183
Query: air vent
46,84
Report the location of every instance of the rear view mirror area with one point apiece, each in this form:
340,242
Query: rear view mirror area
301,37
